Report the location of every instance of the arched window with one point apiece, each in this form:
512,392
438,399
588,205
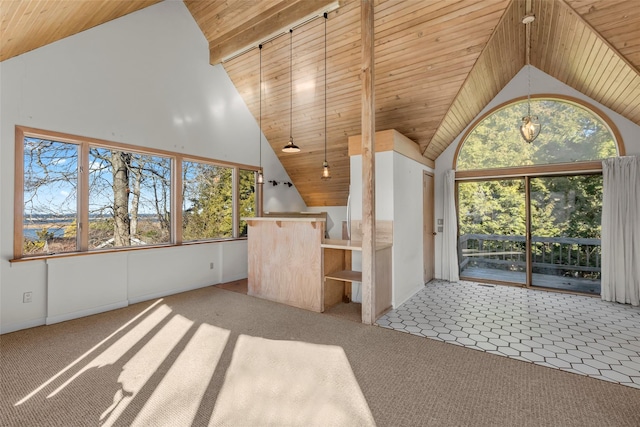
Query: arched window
570,133
530,213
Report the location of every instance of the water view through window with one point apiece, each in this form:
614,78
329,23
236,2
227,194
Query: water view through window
81,194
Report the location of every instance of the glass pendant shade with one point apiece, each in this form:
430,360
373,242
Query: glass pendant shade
530,128
326,173
260,178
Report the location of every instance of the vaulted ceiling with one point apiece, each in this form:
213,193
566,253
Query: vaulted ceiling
437,63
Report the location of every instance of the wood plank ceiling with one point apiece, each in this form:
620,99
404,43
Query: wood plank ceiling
27,25
438,63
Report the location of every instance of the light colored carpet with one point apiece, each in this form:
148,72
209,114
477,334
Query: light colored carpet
285,383
154,363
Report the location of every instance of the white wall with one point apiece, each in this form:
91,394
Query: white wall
398,199
408,239
335,216
143,79
540,83
384,186
102,287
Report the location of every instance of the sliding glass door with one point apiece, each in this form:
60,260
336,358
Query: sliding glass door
564,227
565,232
492,226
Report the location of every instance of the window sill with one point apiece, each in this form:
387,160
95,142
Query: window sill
46,257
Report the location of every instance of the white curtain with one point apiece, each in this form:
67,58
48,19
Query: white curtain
621,230
450,230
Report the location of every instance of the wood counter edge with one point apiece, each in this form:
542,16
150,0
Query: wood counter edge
283,219
353,245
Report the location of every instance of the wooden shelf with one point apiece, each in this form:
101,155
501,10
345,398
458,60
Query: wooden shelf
345,276
350,245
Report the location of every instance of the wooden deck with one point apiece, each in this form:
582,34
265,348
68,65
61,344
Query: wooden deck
572,284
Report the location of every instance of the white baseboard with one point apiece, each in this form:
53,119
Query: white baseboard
83,313
12,327
234,278
141,298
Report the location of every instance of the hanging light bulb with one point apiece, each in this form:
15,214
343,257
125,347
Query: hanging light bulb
326,173
530,128
260,178
291,147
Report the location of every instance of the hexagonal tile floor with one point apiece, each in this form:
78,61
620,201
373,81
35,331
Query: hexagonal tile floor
575,333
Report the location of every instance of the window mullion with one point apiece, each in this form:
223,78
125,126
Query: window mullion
176,200
236,201
18,212
527,243
82,231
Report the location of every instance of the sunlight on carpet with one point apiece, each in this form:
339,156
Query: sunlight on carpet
289,383
176,399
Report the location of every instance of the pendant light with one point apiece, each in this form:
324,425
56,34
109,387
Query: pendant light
530,128
326,173
291,147
260,175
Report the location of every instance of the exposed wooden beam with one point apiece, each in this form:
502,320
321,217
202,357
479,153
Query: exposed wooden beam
267,24
368,165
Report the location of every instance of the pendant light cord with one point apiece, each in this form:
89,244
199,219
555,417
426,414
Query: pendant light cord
528,59
529,91
291,84
260,120
325,86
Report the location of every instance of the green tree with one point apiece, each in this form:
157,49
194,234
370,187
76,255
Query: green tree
247,198
210,196
569,133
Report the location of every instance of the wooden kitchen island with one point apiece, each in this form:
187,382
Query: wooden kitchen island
285,260
290,262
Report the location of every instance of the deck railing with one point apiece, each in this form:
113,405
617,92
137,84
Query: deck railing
559,256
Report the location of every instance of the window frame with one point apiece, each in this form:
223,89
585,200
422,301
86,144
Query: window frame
235,195
82,213
528,172
548,168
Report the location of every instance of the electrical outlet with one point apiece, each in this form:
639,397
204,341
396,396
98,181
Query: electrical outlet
26,297
210,266
440,229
